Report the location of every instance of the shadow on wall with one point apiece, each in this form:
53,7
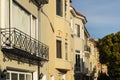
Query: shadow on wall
103,76
3,74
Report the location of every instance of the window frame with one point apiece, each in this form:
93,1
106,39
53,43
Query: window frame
78,30
59,8
59,49
18,74
66,51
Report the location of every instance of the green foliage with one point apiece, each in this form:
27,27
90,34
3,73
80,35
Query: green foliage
109,48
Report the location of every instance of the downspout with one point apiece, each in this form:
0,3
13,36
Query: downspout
9,20
39,35
38,70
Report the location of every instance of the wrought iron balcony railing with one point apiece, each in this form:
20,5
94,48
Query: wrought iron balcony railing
14,39
77,69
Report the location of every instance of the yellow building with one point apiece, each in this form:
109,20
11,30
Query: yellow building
86,55
94,60
78,40
44,40
21,53
55,32
83,49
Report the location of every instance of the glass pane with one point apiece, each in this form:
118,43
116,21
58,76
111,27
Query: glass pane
14,76
28,77
21,77
8,76
20,18
59,7
66,51
59,49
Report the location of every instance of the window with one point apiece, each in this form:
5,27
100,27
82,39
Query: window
66,51
34,27
14,75
59,8
59,49
77,60
78,30
20,18
90,66
21,77
77,65
24,21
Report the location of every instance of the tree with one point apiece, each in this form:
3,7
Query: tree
109,48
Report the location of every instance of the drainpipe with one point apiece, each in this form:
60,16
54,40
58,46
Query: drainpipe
38,70
39,34
39,3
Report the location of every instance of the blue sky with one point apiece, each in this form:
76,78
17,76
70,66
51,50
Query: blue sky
103,16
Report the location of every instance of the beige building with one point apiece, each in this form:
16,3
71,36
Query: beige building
93,59
86,57
79,36
83,49
44,40
55,32
21,52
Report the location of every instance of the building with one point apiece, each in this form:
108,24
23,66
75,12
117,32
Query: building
55,32
78,40
44,40
94,60
22,53
83,49
86,55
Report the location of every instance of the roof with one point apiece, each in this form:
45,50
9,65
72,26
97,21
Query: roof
79,14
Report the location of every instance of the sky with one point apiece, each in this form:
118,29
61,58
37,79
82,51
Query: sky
103,16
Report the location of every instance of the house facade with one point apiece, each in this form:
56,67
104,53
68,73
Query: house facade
44,40
79,36
84,51
22,53
94,60
55,32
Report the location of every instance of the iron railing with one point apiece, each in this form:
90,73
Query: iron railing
14,38
77,69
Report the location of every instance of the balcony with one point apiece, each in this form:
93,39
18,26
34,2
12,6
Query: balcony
18,43
77,69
